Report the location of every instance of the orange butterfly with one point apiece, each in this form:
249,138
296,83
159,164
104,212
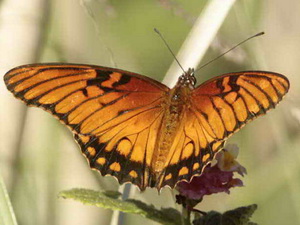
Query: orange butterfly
137,129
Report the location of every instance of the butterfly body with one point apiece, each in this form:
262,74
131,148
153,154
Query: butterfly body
176,103
137,129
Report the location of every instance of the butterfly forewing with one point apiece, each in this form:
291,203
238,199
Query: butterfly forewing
114,114
224,104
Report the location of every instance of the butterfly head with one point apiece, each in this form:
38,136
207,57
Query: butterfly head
187,79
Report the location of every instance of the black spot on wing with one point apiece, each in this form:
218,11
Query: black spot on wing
97,81
232,83
204,115
220,84
123,80
101,76
84,92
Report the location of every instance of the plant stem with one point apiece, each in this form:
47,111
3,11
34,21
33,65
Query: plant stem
199,38
186,216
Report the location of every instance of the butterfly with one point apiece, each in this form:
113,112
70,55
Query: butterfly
137,129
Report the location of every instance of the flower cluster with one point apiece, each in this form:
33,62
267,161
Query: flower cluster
216,177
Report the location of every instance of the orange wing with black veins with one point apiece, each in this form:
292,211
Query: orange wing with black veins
219,107
114,114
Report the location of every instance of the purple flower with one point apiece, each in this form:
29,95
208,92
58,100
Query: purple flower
214,179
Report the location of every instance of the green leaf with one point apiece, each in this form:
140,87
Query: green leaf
7,216
109,200
238,216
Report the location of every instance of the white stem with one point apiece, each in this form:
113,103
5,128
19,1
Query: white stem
115,217
20,37
199,38
8,216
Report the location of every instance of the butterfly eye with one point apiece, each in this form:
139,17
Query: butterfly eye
193,80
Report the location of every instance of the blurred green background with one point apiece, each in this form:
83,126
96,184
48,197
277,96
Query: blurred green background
38,156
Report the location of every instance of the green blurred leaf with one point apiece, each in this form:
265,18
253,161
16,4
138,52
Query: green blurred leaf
109,200
7,215
238,216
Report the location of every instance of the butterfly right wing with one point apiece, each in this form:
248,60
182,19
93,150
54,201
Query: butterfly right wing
114,114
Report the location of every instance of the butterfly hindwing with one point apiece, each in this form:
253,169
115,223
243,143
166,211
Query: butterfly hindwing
126,150
191,152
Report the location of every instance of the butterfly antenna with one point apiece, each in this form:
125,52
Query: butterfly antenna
205,64
157,31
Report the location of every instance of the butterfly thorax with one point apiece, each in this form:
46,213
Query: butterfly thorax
177,100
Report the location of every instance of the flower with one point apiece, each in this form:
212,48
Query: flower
226,160
216,177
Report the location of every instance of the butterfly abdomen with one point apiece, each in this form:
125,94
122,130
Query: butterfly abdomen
175,105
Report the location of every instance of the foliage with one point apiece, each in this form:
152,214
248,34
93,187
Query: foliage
110,200
238,216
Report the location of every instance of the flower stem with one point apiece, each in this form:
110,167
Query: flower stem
186,213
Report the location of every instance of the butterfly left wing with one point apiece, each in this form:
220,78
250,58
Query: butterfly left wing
219,108
114,114
226,103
